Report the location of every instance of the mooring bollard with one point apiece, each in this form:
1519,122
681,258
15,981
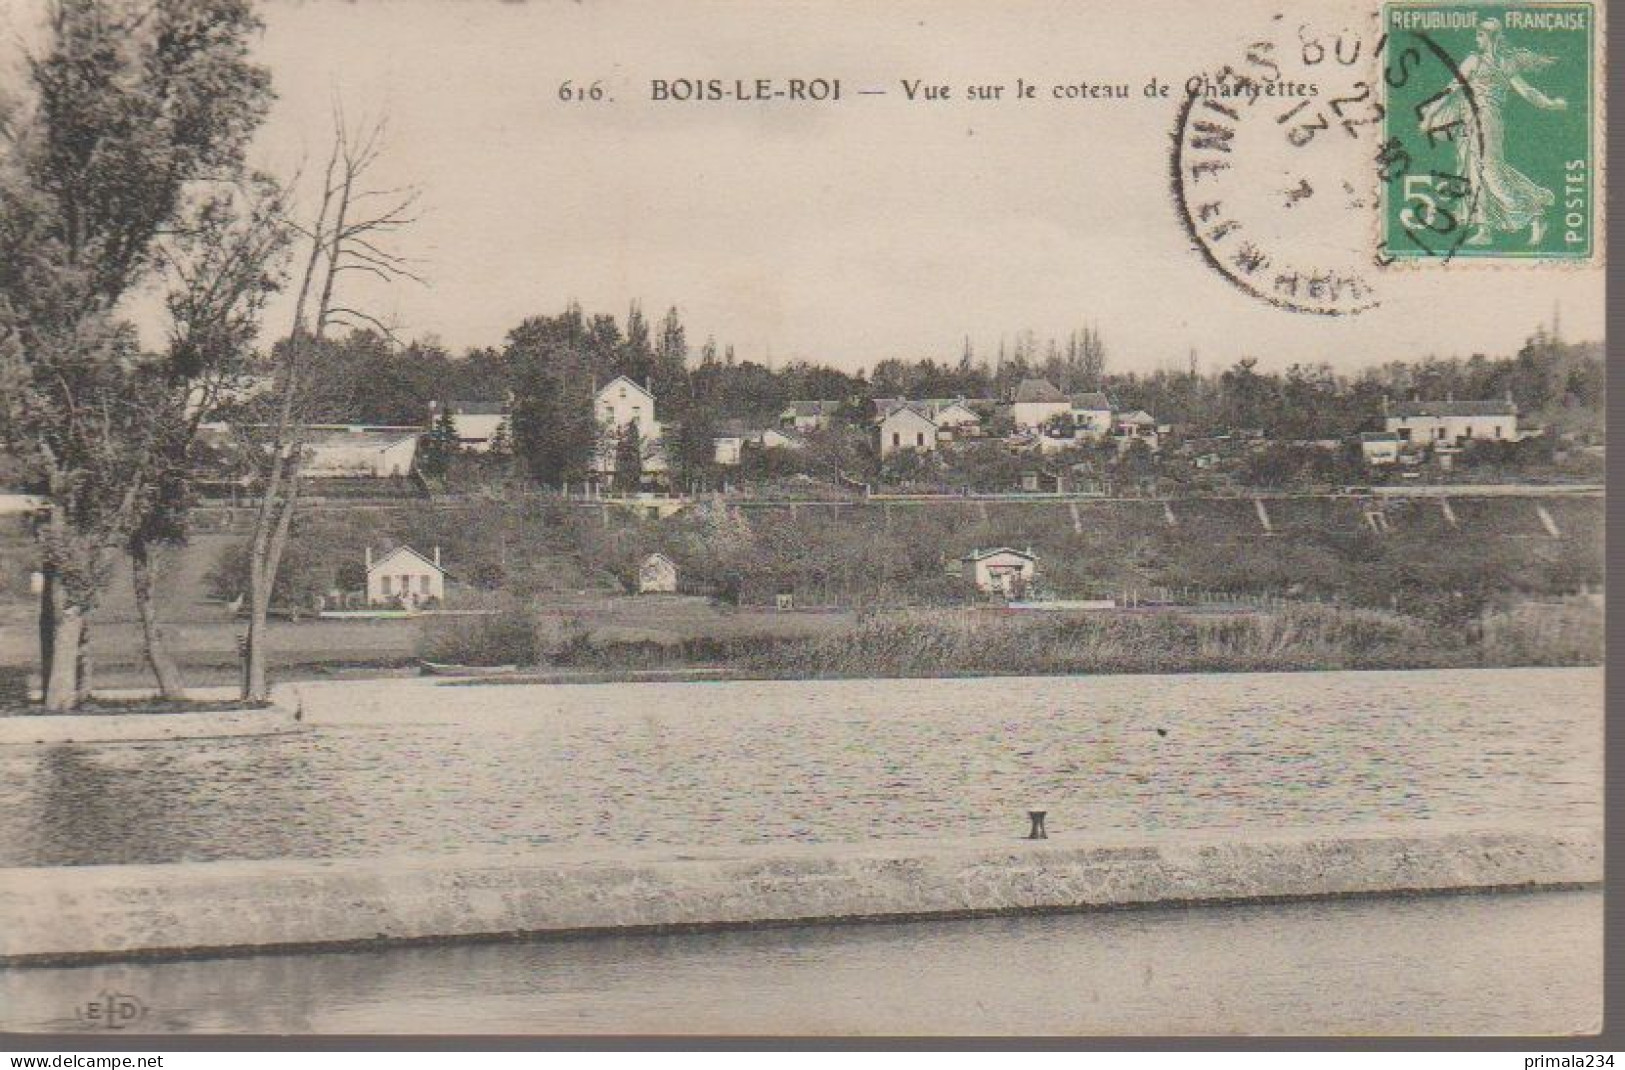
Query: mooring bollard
1037,818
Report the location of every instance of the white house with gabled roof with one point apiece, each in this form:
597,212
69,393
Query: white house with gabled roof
619,404
657,574
1000,571
907,428
403,575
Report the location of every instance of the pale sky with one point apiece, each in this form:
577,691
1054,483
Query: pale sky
844,233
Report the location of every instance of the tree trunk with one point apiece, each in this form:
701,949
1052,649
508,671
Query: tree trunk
262,570
62,681
82,667
47,622
163,666
256,685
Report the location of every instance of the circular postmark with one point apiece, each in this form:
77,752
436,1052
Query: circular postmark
1272,168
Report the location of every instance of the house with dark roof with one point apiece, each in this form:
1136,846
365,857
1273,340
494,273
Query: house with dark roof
1036,401
1091,412
732,437
809,415
1453,423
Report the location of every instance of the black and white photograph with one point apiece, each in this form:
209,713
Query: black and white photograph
617,518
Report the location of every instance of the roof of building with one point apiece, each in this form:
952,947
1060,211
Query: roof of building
942,405
1378,436
478,408
978,555
658,556
624,379
813,408
1408,409
1138,417
400,551
1092,400
1030,390
787,435
368,437
889,407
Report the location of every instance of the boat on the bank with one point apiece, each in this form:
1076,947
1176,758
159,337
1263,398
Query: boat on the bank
439,668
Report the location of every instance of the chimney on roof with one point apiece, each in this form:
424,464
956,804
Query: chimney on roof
437,556
369,558
1385,403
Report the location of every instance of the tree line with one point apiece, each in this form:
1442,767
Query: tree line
549,367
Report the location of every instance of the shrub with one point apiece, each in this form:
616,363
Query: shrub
506,636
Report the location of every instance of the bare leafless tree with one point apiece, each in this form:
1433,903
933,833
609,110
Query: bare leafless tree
346,234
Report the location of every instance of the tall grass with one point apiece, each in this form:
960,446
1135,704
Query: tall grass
1544,633
953,642
1296,638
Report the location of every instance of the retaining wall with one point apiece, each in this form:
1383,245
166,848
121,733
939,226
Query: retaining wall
32,729
93,912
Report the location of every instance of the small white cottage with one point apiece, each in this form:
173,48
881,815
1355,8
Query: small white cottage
907,428
406,576
657,574
1000,571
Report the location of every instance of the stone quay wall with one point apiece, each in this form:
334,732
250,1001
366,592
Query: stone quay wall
55,915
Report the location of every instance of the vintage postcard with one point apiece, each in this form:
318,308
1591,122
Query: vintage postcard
917,519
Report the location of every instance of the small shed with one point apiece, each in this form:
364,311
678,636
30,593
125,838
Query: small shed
406,576
1000,571
657,574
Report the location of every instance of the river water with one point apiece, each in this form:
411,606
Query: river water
397,766
1508,964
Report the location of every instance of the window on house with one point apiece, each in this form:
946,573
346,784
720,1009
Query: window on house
1469,430
384,584
423,584
1497,430
919,438
1404,434
896,438
1438,432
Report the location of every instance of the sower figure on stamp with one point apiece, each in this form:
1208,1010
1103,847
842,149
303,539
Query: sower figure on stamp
1501,197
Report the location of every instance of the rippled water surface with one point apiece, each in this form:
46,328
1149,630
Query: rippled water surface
1507,964
407,765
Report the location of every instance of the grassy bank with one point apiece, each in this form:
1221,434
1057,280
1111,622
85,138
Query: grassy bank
950,642
1292,639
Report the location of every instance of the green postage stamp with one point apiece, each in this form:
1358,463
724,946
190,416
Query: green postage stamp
1489,147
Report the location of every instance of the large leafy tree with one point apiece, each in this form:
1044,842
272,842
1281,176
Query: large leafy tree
133,105
555,363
